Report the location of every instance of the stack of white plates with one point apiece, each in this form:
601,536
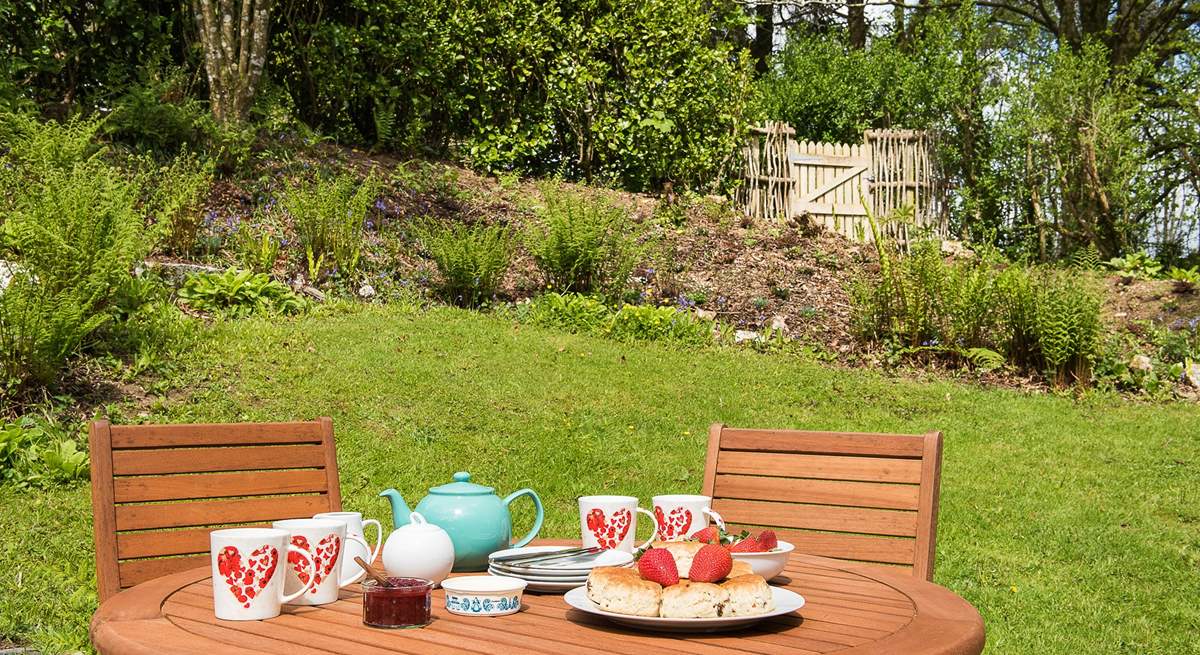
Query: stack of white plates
556,575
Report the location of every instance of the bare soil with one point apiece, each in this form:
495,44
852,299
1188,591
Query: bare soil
1131,302
703,254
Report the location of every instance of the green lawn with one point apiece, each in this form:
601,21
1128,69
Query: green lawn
1074,526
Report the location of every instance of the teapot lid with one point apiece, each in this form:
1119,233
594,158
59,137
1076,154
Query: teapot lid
462,486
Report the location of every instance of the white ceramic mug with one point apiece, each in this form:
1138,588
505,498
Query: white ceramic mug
355,527
326,540
610,522
679,516
248,570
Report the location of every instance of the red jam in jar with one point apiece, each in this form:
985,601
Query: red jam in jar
405,604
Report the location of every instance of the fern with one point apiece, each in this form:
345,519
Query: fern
174,203
471,259
1067,326
1086,258
329,215
383,114
583,244
74,231
984,359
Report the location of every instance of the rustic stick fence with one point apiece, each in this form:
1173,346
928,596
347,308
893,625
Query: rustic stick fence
828,183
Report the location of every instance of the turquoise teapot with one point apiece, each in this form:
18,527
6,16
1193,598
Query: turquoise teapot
477,521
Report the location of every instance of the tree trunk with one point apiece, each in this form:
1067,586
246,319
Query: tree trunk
234,40
856,23
764,36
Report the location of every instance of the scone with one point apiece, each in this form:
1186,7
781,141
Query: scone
623,591
693,600
748,595
740,567
683,552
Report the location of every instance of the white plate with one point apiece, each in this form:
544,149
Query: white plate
574,581
569,565
553,574
786,602
545,587
548,573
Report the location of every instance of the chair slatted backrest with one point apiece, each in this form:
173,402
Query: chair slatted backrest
852,496
158,490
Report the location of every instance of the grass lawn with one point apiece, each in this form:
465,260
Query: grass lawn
1074,526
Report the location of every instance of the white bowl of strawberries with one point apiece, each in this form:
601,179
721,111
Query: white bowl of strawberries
763,551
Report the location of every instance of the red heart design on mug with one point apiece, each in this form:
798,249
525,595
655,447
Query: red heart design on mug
609,531
674,525
246,580
297,560
327,557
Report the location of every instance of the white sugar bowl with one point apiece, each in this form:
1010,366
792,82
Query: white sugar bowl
419,550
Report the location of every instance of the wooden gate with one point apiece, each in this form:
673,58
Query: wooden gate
832,184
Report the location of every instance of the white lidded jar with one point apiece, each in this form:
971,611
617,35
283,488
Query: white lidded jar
419,550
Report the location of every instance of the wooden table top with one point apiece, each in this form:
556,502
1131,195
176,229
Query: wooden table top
850,609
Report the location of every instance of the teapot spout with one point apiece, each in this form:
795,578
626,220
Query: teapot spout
400,510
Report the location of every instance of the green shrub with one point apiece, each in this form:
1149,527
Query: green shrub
650,323
633,90
146,325
328,216
1177,343
1136,264
583,244
1185,279
158,115
73,232
471,259
571,311
587,314
238,294
428,178
38,454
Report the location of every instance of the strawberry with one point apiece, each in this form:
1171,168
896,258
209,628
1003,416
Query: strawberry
657,565
710,564
709,535
748,545
768,539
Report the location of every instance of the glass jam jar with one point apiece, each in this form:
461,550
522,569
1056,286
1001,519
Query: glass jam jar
405,604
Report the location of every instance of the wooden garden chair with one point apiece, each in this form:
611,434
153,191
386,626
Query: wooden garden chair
158,490
853,496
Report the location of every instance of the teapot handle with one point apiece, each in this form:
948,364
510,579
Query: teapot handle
537,521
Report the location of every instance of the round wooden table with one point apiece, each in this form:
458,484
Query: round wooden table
850,609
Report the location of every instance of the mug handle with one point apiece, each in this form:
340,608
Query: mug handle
654,522
312,575
537,521
378,538
715,517
362,572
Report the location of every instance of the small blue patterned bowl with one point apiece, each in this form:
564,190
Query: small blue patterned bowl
483,595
